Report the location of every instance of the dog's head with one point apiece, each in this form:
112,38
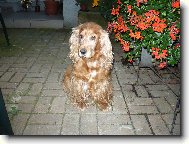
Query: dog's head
89,40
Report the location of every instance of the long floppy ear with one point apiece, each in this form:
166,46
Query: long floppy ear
74,44
106,50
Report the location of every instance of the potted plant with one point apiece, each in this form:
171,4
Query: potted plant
51,7
37,6
82,4
149,24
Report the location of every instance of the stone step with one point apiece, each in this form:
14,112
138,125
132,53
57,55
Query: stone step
32,20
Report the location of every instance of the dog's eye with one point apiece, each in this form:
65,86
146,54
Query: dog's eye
93,37
80,36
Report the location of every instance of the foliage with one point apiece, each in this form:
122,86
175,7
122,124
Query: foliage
151,24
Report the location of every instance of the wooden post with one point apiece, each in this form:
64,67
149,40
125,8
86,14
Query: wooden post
5,125
4,28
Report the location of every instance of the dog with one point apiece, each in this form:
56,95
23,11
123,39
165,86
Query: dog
88,80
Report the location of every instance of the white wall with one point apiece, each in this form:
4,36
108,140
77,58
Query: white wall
70,13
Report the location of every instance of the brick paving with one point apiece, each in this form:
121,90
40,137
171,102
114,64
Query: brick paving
30,79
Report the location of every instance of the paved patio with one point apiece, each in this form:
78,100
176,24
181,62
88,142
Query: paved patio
30,78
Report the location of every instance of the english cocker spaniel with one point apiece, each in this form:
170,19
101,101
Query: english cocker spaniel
88,79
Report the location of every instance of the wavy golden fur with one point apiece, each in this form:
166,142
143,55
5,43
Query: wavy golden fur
88,79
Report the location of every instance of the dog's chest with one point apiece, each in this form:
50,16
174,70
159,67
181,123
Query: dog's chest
92,69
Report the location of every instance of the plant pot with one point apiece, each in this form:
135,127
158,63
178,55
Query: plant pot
37,8
146,59
51,7
83,7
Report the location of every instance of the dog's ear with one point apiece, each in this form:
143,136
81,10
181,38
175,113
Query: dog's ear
74,44
106,49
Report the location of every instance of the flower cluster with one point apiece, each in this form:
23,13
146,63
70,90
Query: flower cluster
154,25
95,3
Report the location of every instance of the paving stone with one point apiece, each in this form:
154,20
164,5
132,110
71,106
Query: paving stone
141,125
70,124
6,77
115,130
28,99
137,109
88,124
8,60
42,130
162,105
70,108
35,68
54,85
127,88
51,119
8,85
25,108
34,80
53,93
158,87
129,96
145,79
4,67
58,105
1,73
141,91
17,69
25,65
158,93
115,83
176,88
142,102
7,92
53,77
158,125
17,77
43,105
21,60
119,105
22,88
168,118
177,130
116,119
36,75
18,123
35,89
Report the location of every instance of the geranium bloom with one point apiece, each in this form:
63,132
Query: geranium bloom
162,65
125,46
95,3
176,4
173,31
136,35
119,1
141,1
115,11
159,27
129,8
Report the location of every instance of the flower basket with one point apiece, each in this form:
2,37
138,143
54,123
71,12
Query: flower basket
151,24
51,7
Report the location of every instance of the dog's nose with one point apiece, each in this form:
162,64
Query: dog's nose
83,51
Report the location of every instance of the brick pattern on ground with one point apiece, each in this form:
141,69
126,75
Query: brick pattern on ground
144,99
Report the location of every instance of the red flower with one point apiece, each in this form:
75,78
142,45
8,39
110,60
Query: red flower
176,4
129,8
162,65
125,46
119,1
159,26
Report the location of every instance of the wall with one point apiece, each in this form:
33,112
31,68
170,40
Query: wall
70,13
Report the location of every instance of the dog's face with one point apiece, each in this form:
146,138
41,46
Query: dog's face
88,40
